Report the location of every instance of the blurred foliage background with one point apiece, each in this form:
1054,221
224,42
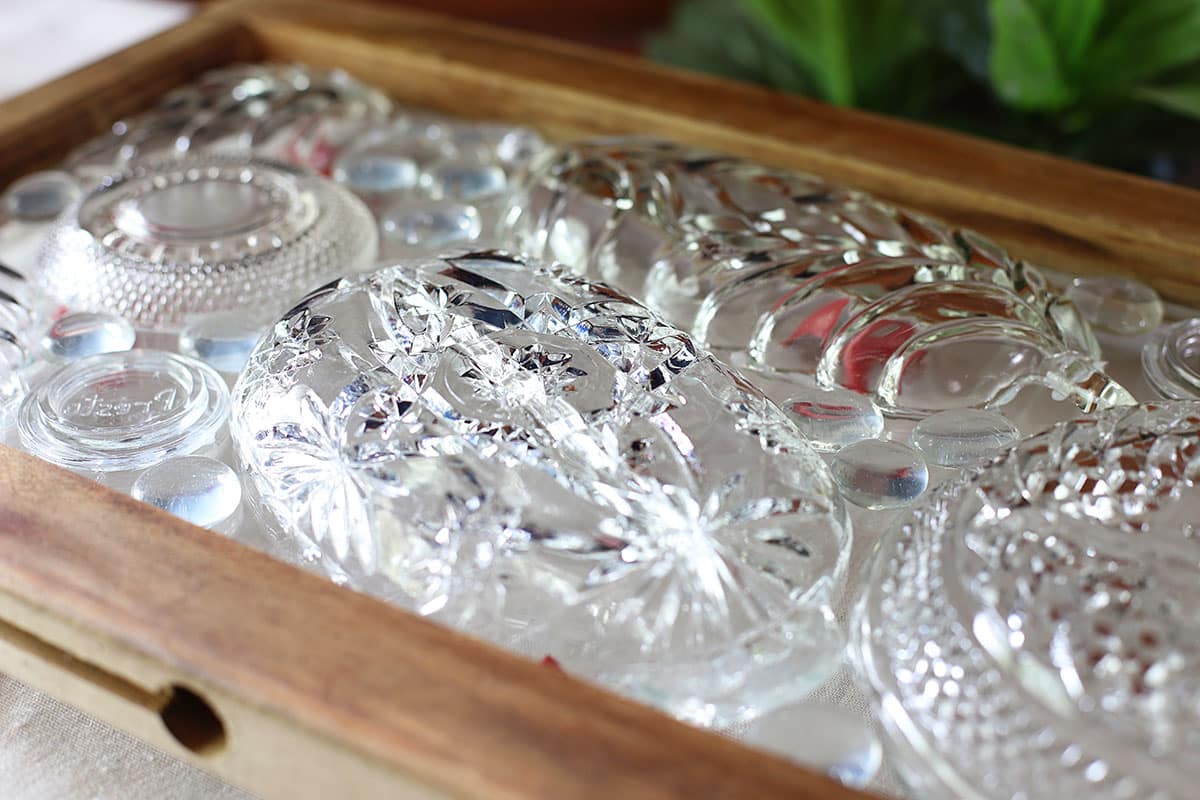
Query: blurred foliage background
1113,82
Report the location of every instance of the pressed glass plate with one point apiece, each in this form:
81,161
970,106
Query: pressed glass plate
167,239
1033,628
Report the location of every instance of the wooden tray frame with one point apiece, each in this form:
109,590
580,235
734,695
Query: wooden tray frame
283,683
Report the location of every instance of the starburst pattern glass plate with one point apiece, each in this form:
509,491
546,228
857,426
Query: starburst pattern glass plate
167,239
783,273
1034,626
543,462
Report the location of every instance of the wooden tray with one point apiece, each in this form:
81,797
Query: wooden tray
285,684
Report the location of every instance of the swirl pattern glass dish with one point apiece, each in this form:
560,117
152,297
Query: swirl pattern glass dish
290,113
542,462
788,275
1035,626
167,239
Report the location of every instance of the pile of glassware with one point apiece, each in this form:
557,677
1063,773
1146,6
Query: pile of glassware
618,404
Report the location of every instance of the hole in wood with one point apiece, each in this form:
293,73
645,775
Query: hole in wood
192,721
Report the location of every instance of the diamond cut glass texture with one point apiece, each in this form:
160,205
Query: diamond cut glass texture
785,274
542,462
1035,625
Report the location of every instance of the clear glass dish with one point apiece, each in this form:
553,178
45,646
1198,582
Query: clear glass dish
1033,626
539,461
784,274
172,238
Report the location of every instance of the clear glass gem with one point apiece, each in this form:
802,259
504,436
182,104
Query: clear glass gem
838,741
430,224
222,340
1171,360
963,436
85,333
1120,305
830,419
1031,628
377,170
465,180
540,461
198,489
488,141
123,411
880,474
40,196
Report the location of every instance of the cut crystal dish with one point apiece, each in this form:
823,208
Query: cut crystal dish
1035,625
286,112
540,461
784,274
1171,360
167,239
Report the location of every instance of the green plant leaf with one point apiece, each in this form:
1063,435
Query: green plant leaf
814,32
851,48
1073,25
961,28
1181,99
1024,62
717,37
1141,39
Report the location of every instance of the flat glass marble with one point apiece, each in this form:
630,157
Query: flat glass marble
542,462
198,489
964,436
467,180
1171,360
1119,305
40,196
224,339
116,412
510,145
830,419
836,740
880,474
381,168
1033,626
429,225
168,239
85,333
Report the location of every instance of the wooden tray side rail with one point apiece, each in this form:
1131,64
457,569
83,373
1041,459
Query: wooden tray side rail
286,684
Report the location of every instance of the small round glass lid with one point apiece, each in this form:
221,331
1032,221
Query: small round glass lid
1035,625
123,411
170,238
